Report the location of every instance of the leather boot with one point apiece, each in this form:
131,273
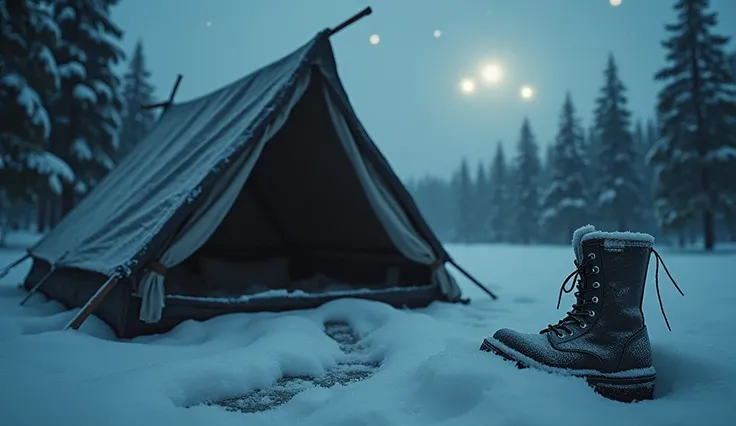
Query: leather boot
603,338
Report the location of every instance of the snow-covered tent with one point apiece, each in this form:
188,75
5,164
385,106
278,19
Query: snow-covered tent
265,195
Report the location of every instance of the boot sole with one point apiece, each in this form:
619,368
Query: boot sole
621,389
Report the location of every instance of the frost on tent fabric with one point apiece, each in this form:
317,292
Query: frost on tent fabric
603,338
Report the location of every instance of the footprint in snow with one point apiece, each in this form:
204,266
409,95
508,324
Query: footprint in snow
353,369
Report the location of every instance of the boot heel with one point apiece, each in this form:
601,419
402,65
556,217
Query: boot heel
624,389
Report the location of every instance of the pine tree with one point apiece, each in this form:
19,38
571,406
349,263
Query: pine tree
619,197
87,114
433,197
527,171
564,204
695,158
137,92
500,189
589,150
481,204
548,163
464,190
28,77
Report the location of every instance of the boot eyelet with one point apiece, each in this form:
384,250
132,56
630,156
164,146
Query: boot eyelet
591,256
596,270
596,284
591,313
583,325
594,299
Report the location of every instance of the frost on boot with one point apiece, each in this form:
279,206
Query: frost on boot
603,338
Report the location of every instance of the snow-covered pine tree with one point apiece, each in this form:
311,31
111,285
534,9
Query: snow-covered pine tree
28,77
464,202
564,204
619,198
500,182
695,157
526,174
137,92
87,114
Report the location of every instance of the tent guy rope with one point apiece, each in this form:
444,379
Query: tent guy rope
7,268
92,303
38,285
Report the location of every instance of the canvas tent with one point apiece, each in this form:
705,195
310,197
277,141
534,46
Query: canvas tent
265,195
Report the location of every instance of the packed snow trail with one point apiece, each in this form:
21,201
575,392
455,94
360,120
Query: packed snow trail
355,367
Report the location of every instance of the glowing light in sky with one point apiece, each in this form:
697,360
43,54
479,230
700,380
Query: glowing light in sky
467,85
615,3
527,92
492,73
437,33
375,39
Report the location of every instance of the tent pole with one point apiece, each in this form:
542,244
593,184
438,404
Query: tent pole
38,285
167,104
7,268
92,303
353,19
473,279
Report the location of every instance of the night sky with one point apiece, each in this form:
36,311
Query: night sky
406,89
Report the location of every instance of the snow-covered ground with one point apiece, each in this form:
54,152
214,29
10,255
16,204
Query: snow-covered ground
431,371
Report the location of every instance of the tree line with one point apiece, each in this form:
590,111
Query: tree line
68,116
673,175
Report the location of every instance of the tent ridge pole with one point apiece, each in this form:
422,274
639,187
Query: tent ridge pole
353,19
165,105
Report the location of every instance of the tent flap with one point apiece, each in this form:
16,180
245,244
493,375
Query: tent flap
210,214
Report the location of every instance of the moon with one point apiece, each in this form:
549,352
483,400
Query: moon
374,39
467,86
527,92
492,73
437,33
615,3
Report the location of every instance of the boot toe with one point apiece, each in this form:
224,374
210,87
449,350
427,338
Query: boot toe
536,347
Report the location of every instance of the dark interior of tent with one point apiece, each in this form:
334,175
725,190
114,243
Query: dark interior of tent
301,222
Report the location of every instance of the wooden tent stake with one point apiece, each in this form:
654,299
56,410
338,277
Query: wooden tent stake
92,303
353,19
473,279
165,105
7,268
38,285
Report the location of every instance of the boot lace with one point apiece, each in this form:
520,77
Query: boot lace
580,311
659,261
